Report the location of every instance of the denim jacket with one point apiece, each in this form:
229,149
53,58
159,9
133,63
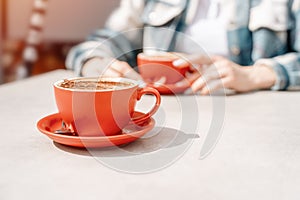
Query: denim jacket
258,32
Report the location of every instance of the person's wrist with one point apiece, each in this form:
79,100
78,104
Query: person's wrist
262,76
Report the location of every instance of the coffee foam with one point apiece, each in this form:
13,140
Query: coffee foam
94,85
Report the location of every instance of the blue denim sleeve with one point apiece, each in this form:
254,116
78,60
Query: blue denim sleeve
287,66
102,43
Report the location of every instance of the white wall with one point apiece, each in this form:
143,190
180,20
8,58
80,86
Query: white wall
66,20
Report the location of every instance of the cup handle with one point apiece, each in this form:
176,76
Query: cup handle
141,92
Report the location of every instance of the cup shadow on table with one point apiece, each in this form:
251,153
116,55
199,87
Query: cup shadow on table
157,139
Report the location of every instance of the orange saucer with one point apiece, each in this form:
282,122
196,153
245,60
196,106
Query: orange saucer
49,124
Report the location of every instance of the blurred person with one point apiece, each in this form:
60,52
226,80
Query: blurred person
250,45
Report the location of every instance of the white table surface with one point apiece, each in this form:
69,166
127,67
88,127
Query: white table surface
257,156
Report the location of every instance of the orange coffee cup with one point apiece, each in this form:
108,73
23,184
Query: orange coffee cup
100,106
153,67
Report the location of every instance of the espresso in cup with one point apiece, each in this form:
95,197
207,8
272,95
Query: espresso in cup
100,106
155,66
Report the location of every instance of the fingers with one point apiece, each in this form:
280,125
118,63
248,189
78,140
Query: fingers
125,70
109,67
103,67
120,66
192,77
111,72
99,67
211,79
192,60
160,81
220,85
212,86
205,88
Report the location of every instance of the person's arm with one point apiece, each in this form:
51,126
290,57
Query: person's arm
287,66
115,40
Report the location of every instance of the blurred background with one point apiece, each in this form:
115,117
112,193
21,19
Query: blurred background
37,34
